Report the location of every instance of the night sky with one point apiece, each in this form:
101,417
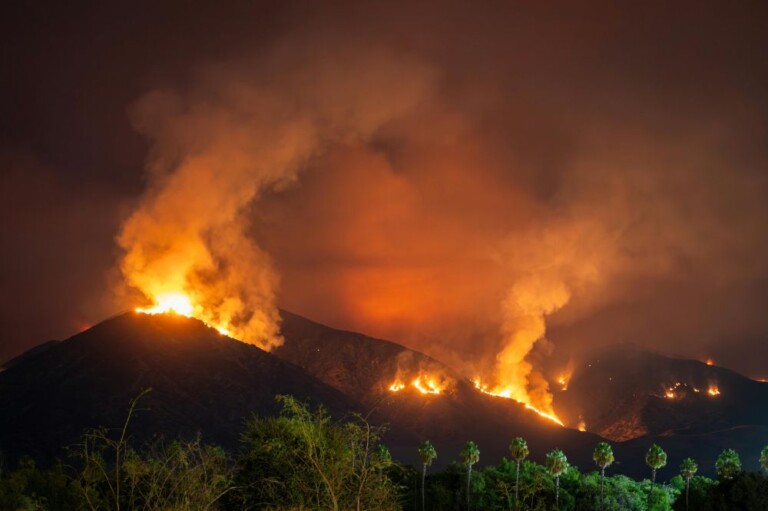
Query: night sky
415,167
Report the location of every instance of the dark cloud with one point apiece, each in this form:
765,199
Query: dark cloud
614,153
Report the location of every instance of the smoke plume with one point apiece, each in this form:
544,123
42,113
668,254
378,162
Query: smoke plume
242,130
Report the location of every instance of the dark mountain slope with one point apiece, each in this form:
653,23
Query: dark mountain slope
201,381
623,393
364,368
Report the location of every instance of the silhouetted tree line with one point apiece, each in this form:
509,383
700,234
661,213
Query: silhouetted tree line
305,460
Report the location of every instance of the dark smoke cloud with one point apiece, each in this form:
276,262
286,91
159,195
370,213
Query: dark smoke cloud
612,154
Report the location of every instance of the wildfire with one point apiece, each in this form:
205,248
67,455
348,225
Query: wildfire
181,304
582,425
713,390
424,383
710,361
507,394
565,376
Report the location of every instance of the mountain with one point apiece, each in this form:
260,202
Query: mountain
200,380
203,381
364,368
690,408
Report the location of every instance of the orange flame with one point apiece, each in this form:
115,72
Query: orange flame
424,383
713,390
507,394
710,361
582,425
181,304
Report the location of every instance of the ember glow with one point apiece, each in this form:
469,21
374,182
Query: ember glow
713,390
509,394
564,377
424,383
710,361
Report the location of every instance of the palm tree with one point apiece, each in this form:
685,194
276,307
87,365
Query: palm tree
427,453
728,464
764,458
656,459
470,455
688,469
556,463
518,449
603,457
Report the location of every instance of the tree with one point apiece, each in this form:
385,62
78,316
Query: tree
688,469
728,464
556,463
764,459
306,460
518,450
656,458
603,458
182,475
427,453
470,455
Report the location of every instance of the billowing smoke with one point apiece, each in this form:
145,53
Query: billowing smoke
243,129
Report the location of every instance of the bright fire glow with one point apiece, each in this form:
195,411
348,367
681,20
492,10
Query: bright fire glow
424,383
181,304
563,381
713,390
710,362
670,394
507,394
170,303
582,425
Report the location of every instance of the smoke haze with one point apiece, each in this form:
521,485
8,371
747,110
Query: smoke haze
501,187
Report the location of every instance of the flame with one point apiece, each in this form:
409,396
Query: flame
563,381
176,303
670,394
713,390
582,425
181,304
710,361
424,382
509,394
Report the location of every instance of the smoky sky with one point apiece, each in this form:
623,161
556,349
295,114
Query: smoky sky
612,153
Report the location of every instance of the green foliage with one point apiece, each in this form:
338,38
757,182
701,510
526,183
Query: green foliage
28,488
182,475
656,458
304,459
688,468
556,462
518,449
698,492
470,454
728,464
427,453
603,455
764,458
745,491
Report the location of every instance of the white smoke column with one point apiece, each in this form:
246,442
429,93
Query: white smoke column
244,128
